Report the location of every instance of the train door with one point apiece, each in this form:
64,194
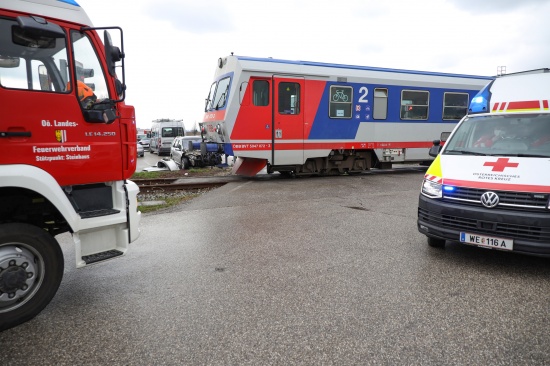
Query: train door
288,121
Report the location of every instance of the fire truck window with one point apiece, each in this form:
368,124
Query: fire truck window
289,98
32,62
455,105
88,67
261,93
414,104
340,101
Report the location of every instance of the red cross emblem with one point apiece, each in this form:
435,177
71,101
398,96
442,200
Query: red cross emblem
501,164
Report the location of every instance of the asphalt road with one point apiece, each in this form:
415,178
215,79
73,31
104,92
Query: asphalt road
306,271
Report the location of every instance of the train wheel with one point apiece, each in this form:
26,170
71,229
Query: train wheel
31,269
436,243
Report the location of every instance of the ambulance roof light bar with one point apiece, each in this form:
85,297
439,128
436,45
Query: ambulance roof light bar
480,103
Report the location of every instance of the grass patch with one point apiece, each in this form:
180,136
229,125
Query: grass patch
169,202
208,171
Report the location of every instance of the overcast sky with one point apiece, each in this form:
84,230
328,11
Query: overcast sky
172,46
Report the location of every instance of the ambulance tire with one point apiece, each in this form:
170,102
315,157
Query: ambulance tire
436,243
31,269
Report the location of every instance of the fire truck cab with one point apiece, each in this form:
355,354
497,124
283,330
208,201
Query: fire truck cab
68,148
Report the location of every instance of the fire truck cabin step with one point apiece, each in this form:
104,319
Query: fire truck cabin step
98,257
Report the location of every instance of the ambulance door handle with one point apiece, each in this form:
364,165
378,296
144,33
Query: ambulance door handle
279,133
15,134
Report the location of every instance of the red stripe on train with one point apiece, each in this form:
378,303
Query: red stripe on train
331,145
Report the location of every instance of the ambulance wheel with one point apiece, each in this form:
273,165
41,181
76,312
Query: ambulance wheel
31,269
436,243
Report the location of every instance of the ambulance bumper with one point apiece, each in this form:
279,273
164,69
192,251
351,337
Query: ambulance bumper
530,231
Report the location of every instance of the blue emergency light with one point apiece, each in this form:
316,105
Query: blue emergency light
448,188
480,103
70,2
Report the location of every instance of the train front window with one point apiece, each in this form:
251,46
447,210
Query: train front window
210,98
222,93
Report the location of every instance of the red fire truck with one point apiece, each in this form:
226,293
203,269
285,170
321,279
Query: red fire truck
68,148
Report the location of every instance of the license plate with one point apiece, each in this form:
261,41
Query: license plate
487,241
397,152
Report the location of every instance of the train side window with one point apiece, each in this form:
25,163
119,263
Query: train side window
260,93
380,108
455,105
340,101
414,104
289,98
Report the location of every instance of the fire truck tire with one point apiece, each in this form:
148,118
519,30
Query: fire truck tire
436,243
31,269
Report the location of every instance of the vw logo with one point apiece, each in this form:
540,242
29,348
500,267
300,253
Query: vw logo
489,199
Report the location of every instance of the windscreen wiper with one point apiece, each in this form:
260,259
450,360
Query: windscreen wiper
466,152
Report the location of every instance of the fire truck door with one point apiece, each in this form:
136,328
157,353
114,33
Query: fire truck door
288,121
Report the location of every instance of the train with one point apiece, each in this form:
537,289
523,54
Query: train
313,118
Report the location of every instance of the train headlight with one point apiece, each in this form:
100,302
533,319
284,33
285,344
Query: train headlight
431,189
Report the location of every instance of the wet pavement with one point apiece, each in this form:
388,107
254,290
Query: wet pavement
305,271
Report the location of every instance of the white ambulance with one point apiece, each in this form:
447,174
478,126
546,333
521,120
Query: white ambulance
489,186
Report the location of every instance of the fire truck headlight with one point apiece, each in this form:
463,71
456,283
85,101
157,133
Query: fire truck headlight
431,189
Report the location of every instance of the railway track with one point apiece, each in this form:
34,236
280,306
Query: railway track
171,184
175,184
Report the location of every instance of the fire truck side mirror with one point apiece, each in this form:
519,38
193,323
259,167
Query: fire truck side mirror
112,53
106,116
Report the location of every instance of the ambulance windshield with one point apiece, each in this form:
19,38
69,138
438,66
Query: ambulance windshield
518,135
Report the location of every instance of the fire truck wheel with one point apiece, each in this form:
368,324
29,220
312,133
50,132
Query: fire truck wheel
31,268
436,243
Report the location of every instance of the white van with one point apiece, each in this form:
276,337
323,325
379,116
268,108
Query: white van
489,186
163,132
